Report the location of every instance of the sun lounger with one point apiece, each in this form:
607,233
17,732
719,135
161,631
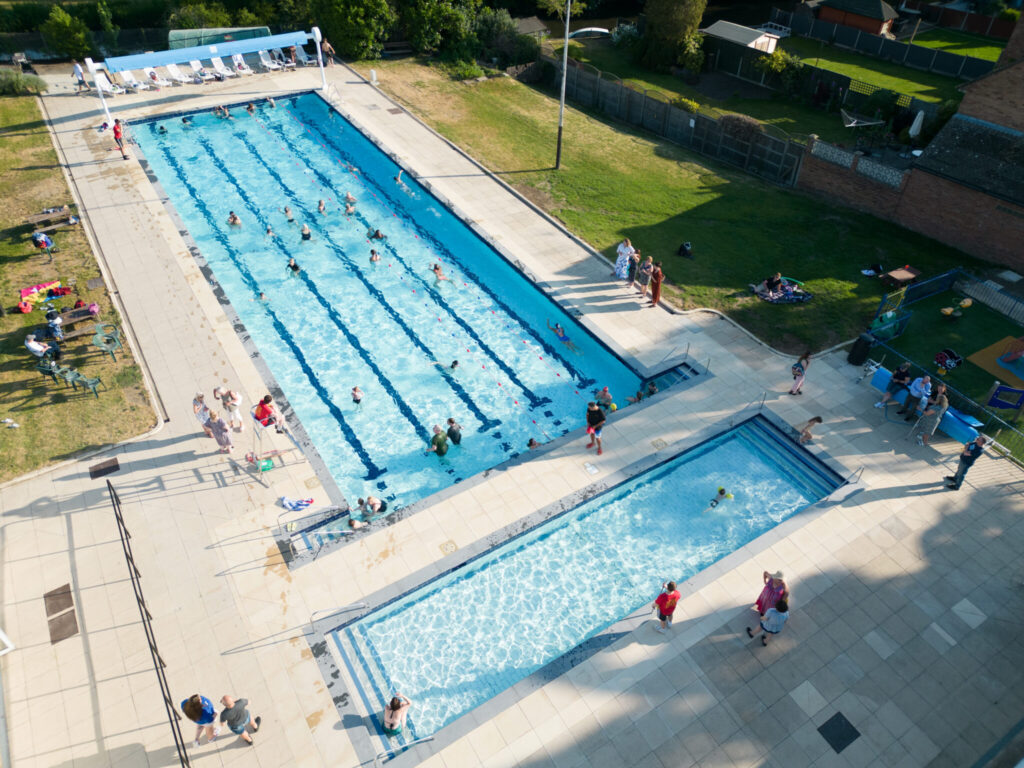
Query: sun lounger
240,66
283,60
304,58
155,79
107,87
200,70
177,76
220,69
267,63
129,79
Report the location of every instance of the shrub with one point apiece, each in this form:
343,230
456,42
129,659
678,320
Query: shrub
687,105
691,52
23,17
199,16
741,127
66,35
356,28
246,18
1009,14
625,35
110,29
136,14
14,83
462,70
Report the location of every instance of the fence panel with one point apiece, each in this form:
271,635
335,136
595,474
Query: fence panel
868,45
975,68
822,30
801,25
947,63
847,36
892,50
920,57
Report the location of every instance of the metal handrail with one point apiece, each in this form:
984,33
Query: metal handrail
393,750
852,478
352,607
8,645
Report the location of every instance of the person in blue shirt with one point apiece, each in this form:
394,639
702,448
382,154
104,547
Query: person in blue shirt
920,389
773,621
968,456
200,710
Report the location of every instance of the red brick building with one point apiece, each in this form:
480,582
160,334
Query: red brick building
874,16
967,188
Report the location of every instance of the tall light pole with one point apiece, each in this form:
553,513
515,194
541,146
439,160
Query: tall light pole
565,70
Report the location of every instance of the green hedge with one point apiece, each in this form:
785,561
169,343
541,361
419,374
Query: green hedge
127,14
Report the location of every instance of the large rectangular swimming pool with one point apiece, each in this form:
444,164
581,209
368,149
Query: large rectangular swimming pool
388,326
466,636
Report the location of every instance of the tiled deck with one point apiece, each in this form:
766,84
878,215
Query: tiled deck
906,597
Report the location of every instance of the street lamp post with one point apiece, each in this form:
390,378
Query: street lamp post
565,70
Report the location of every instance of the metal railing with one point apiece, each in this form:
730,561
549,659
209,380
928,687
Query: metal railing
147,624
381,755
333,611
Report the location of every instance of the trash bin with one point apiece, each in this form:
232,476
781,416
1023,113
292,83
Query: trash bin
861,349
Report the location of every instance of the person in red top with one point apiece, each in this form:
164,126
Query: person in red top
666,605
119,138
266,415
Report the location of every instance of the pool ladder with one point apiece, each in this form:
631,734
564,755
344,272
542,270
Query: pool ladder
381,755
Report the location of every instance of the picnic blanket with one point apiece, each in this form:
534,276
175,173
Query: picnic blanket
792,294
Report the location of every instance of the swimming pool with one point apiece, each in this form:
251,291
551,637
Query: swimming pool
388,326
466,636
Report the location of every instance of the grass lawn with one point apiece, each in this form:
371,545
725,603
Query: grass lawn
926,86
617,182
56,422
961,43
798,120
928,333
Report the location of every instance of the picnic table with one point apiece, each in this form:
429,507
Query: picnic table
54,213
897,278
73,316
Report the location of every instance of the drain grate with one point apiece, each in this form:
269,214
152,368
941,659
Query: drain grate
107,467
839,732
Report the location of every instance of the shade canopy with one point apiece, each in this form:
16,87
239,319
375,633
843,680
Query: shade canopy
178,55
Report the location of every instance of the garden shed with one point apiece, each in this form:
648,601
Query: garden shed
745,36
874,16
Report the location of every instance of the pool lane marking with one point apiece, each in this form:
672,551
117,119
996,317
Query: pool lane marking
438,247
372,470
327,184
486,422
353,341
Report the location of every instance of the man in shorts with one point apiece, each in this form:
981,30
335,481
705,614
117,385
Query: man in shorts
79,76
237,717
595,424
665,603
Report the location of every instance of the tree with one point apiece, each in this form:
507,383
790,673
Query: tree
110,29
64,34
669,24
557,7
445,26
199,16
355,28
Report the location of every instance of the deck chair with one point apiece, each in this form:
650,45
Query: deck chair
107,87
282,59
240,66
200,70
49,368
177,76
304,58
70,376
129,79
220,69
107,339
268,64
92,384
155,79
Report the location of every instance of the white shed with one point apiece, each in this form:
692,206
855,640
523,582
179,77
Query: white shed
745,36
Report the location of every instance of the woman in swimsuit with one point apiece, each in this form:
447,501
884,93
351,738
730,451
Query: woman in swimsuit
560,333
394,715
306,233
293,265
374,256
322,208
439,274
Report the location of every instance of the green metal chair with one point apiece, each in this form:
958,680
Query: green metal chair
107,338
70,376
92,384
49,368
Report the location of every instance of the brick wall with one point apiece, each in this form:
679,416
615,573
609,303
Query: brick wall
976,223
998,97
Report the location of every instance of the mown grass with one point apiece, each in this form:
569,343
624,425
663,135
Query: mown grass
926,86
798,120
55,421
961,43
616,182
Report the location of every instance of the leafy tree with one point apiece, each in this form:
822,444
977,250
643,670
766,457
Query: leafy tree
246,18
355,28
669,24
64,34
557,8
110,29
199,16
288,14
445,26
691,52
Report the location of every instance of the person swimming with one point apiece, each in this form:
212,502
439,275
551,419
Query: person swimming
374,256
349,209
293,265
162,129
439,274
562,337
357,395
288,213
306,233
321,208
375,235
721,496
186,121
233,220
250,108
447,370
349,198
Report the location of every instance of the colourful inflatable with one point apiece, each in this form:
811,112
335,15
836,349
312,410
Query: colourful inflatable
38,292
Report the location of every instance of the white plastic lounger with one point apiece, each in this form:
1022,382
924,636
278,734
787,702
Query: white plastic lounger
282,59
129,79
104,84
200,70
240,66
268,65
155,79
220,69
176,76
304,58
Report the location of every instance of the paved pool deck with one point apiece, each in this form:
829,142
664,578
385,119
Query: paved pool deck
906,603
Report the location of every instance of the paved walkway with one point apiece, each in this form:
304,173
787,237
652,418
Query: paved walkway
906,596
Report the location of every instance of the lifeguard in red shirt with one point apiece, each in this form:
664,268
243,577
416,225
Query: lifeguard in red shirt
265,414
665,603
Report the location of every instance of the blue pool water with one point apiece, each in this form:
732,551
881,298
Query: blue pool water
470,634
345,321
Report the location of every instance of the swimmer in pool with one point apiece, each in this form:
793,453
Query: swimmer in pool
250,108
293,265
288,213
357,395
162,129
371,505
272,103
721,496
447,370
375,235
233,220
322,208
349,198
374,256
186,121
270,231
533,444
306,233
560,333
261,297
398,178
349,209
439,274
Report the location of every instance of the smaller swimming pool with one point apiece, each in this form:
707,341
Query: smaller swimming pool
466,636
